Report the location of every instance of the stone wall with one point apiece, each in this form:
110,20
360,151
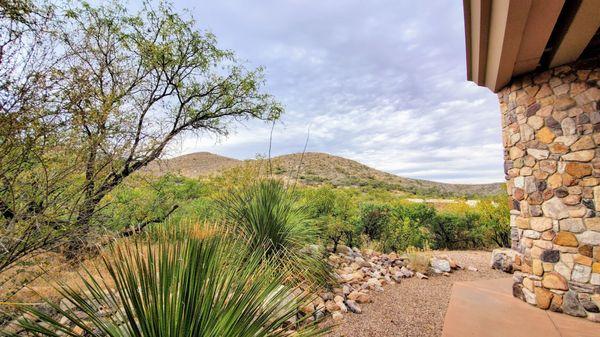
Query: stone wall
551,133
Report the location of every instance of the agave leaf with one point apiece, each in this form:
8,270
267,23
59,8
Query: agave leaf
191,286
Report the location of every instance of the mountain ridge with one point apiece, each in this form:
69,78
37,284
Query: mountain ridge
320,168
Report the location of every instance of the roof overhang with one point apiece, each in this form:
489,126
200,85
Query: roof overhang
507,38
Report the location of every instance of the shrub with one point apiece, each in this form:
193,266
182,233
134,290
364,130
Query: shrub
267,217
200,284
374,218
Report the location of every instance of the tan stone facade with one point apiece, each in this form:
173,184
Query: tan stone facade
551,135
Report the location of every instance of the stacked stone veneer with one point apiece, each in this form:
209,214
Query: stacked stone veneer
551,134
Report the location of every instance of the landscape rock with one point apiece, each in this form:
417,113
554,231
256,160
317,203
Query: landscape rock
572,306
353,307
440,265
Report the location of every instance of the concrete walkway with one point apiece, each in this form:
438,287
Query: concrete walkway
487,309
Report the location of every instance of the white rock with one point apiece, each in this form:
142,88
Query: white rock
589,238
440,265
581,273
538,154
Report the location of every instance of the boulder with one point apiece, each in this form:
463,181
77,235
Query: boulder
503,259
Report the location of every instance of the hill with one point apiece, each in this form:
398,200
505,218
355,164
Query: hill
321,168
192,165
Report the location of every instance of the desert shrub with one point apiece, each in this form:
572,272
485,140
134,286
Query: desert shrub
200,284
268,218
457,231
142,199
495,221
406,226
374,218
333,213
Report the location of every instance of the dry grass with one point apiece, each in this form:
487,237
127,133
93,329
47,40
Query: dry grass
419,259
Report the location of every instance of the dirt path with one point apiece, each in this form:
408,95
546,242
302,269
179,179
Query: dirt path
414,307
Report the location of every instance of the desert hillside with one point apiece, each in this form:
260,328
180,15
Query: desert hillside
319,168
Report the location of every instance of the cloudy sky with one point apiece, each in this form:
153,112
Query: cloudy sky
380,81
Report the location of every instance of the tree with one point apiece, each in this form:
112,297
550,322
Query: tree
118,89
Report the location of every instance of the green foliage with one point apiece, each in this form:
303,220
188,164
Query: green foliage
143,199
333,214
203,283
374,219
268,217
408,227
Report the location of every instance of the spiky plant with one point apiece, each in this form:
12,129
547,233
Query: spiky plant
196,286
267,217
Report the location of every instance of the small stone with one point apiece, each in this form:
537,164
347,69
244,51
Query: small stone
555,180
556,304
515,153
578,170
531,234
573,225
337,316
564,103
589,238
359,297
529,296
353,307
538,154
545,135
590,306
555,209
440,265
537,267
548,235
586,250
543,298
581,273
571,305
421,276
558,148
582,259
540,224
566,239
535,211
522,222
552,256
563,270
535,122
554,281
582,156
572,200
584,143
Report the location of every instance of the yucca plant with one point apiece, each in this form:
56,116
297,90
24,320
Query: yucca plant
268,218
196,286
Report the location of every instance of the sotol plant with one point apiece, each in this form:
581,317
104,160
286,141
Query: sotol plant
267,216
197,284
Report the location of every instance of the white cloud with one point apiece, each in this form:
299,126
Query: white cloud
381,82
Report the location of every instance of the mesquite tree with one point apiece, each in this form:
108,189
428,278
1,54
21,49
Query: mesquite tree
122,86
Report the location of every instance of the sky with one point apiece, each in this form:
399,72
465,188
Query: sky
382,82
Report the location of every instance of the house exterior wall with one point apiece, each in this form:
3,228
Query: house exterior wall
551,136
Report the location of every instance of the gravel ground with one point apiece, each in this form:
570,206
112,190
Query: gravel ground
415,307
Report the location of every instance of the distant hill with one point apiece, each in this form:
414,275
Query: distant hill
321,168
192,165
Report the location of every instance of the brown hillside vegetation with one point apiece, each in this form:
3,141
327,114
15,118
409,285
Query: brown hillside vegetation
320,168
193,165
